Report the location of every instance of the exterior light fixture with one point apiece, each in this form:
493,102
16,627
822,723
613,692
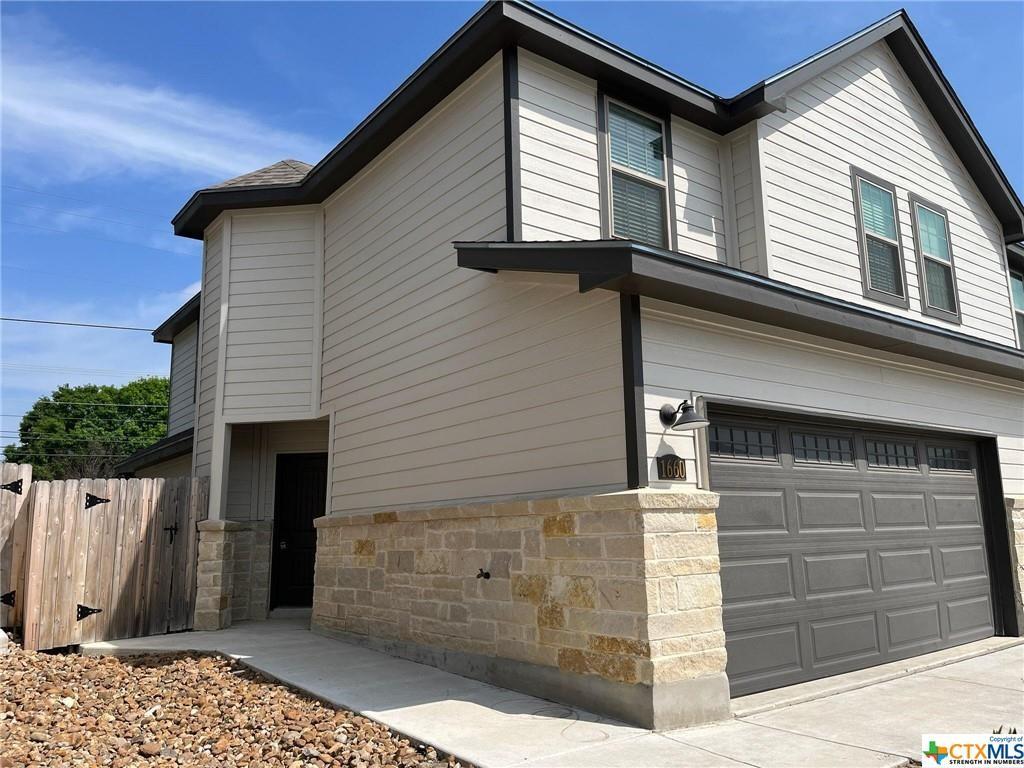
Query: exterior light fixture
682,419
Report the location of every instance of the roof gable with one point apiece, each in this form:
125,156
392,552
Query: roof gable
515,23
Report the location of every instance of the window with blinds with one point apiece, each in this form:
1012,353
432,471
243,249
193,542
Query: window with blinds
935,260
879,240
639,192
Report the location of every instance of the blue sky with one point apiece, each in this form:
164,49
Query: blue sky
113,113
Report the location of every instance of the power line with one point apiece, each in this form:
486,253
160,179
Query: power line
75,325
84,200
99,405
92,218
76,455
95,237
72,275
65,369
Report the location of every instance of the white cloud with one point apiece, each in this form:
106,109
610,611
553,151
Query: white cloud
69,115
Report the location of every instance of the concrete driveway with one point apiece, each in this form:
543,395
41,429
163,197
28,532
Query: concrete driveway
872,718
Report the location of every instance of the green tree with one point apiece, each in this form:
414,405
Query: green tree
84,431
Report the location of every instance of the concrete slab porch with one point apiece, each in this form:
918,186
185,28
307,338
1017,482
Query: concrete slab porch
878,725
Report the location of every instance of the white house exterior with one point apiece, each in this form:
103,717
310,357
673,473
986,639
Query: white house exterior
449,342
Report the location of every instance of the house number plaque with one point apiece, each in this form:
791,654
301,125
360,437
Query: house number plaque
671,467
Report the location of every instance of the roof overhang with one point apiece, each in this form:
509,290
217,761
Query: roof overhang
183,317
170,447
514,23
633,268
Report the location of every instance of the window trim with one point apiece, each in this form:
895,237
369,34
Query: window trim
915,201
862,245
1015,311
608,168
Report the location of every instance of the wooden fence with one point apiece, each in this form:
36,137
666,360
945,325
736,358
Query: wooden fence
14,525
108,559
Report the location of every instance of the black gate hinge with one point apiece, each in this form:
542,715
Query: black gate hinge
7,598
85,610
92,501
13,486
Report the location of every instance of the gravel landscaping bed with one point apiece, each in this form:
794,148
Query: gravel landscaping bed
178,709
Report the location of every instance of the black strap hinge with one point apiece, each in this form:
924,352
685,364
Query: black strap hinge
85,610
7,598
92,501
14,486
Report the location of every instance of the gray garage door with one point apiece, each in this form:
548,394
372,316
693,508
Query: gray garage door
844,548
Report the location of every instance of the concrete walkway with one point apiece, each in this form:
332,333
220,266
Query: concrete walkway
876,724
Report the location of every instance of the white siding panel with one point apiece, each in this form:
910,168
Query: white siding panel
743,196
689,353
700,224
181,408
273,266
209,330
866,113
558,152
447,384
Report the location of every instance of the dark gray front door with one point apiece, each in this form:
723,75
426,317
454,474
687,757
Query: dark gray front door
843,548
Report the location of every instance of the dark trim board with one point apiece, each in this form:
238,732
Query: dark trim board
513,177
170,447
185,315
634,268
509,23
633,391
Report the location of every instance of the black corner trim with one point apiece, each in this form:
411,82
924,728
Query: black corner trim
633,390
513,177
997,536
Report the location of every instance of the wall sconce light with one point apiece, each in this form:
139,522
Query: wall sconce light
682,419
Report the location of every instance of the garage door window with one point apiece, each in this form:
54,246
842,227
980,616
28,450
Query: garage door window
882,453
735,442
822,449
948,457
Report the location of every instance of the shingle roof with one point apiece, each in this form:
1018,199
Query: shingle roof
281,172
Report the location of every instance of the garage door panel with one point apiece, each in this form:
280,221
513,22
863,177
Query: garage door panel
907,511
844,550
818,510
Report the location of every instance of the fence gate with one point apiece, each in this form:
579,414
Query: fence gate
109,559
16,482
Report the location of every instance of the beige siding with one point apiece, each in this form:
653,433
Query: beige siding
181,408
558,152
273,275
699,215
864,112
253,466
689,353
209,318
744,191
444,383
180,466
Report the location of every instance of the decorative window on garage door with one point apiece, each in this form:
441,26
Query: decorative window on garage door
887,453
737,442
948,457
822,449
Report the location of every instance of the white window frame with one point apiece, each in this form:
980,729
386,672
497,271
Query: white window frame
611,168
870,292
922,258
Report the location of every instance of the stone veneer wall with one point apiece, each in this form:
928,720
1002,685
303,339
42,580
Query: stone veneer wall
612,602
233,572
251,570
1015,528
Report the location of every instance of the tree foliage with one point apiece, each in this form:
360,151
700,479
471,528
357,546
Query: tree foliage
84,431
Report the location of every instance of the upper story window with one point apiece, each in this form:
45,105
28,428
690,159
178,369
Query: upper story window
639,189
1017,292
879,239
935,260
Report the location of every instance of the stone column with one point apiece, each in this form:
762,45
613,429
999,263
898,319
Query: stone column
1015,528
214,574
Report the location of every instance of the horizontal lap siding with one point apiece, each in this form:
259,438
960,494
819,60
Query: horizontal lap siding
689,353
206,393
448,384
743,200
269,359
864,112
181,406
700,223
558,152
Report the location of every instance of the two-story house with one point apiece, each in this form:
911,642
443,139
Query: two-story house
574,376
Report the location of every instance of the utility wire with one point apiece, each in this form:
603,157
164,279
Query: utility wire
84,200
97,405
76,455
65,369
75,325
92,218
96,237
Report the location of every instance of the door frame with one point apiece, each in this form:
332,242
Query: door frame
274,532
990,488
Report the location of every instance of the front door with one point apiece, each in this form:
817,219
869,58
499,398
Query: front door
299,497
